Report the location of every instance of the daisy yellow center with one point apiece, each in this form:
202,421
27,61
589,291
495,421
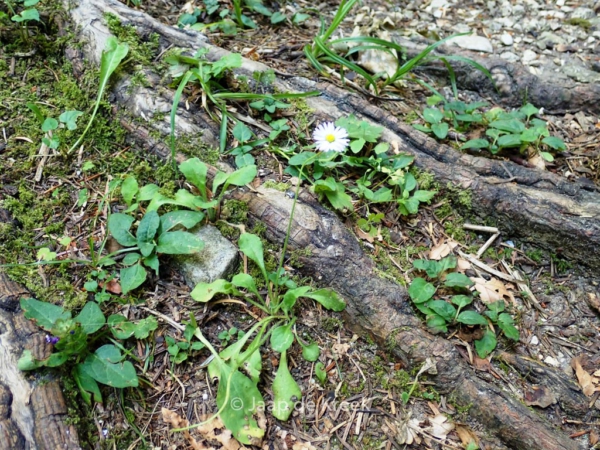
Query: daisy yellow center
330,138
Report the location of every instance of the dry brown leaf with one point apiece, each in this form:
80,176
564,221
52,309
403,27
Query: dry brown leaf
363,235
406,432
490,291
303,446
213,431
587,382
593,438
462,265
339,350
539,396
442,249
440,427
466,435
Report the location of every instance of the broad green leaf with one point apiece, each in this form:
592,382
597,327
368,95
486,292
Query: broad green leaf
182,198
420,290
241,132
286,392
547,156
120,327
510,125
148,227
129,189
440,130
290,297
243,176
91,318
424,309
152,262
147,192
244,401
179,243
277,17
471,318
27,14
443,309
132,277
49,124
28,362
475,143
529,110
44,254
86,385
433,115
245,281
357,145
555,143
253,366
423,196
119,225
300,158
282,338
486,344
529,135
57,359
145,326
229,61
69,118
252,247
204,292
104,367
45,314
311,352
447,263
509,140
462,300
320,372
432,268
470,118
328,298
497,306
437,323
131,258
338,197
456,279
195,172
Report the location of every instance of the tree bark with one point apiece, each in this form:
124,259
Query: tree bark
534,205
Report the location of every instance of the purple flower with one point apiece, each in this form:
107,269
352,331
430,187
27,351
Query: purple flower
52,339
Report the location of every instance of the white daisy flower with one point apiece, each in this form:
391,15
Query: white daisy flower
330,138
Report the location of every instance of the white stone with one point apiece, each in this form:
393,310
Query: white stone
534,340
528,56
551,361
473,42
506,39
583,13
509,56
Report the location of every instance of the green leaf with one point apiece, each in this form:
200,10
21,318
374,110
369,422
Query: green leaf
299,18
195,172
86,385
555,143
475,143
229,61
242,132
179,243
462,300
112,56
91,318
328,298
286,392
251,246
147,192
120,327
300,158
547,156
69,118
311,352
129,189
44,254
335,193
437,323
119,225
357,145
145,326
360,129
509,140
27,14
497,306
420,290
49,124
440,130
471,318
45,314
443,309
529,110
291,296
433,115
510,125
456,279
28,362
486,344
245,281
432,268
282,338
132,277
529,135
204,292
243,176
147,228
320,372
506,324
105,367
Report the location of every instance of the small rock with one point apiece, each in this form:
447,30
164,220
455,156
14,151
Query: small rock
581,74
473,42
528,57
551,361
534,340
549,40
509,56
217,259
506,39
583,13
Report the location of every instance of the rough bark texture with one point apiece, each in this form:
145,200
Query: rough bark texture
32,411
534,205
555,93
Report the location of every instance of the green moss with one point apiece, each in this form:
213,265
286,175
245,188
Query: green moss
234,211
281,187
139,52
331,324
579,22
